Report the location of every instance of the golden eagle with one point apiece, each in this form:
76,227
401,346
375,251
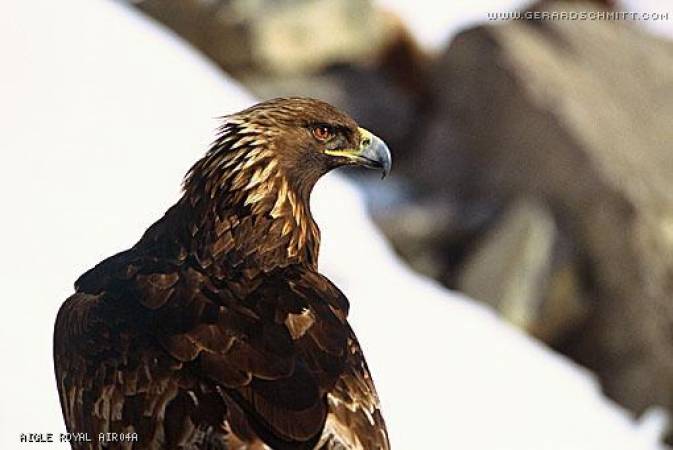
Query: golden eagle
216,330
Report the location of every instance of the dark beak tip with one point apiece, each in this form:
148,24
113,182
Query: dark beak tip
385,170
379,153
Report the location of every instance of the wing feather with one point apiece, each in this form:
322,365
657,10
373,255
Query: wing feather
354,421
145,346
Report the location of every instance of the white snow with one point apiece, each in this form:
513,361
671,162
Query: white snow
93,95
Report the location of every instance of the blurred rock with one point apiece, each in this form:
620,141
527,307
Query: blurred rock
516,268
432,236
290,36
510,267
414,229
564,308
575,114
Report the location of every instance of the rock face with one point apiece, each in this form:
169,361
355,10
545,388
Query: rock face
277,37
578,115
510,267
526,270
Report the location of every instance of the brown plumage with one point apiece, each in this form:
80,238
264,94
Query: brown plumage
216,330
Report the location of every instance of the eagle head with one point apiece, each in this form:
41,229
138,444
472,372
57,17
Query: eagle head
303,138
308,137
266,160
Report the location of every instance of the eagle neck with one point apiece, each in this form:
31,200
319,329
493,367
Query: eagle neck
247,213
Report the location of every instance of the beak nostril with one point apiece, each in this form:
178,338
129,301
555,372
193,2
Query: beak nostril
366,142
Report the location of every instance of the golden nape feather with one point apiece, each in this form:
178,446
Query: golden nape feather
216,330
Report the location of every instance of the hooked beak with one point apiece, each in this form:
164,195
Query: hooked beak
372,153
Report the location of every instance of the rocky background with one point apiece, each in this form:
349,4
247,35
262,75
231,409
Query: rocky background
533,159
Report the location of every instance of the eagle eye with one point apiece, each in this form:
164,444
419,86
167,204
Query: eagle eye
323,133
